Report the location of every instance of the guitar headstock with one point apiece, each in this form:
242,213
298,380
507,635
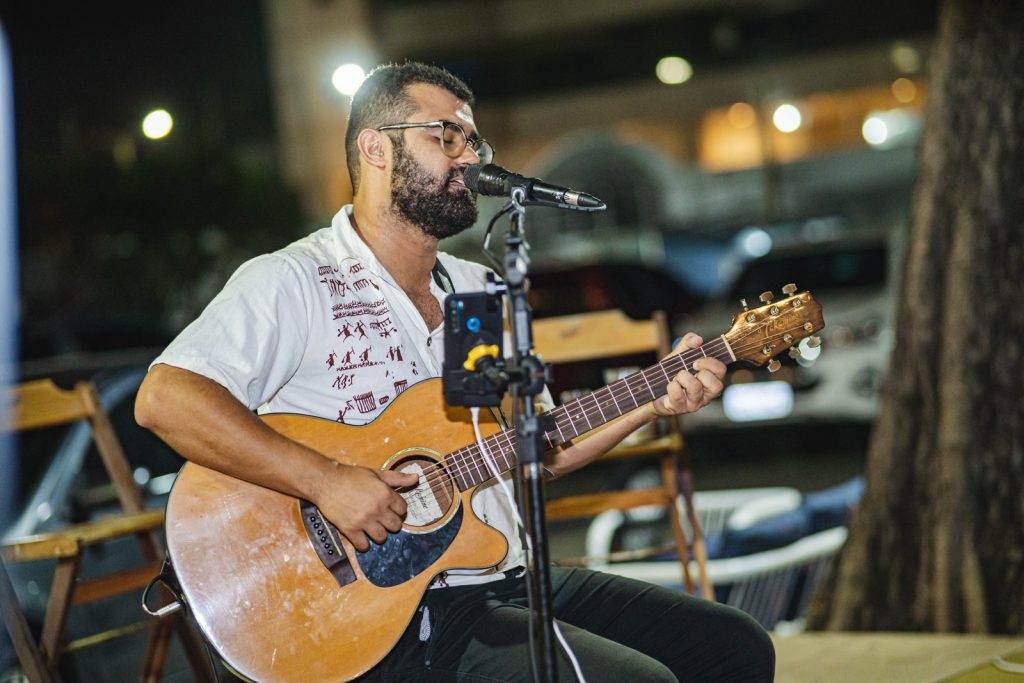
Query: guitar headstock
759,334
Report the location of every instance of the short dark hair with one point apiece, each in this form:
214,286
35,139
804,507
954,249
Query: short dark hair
383,99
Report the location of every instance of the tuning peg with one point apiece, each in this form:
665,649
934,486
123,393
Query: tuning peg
774,365
789,289
814,342
766,297
794,352
743,302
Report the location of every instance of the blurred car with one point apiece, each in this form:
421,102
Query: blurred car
637,289
840,380
62,481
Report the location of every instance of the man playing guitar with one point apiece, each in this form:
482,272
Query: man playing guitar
340,323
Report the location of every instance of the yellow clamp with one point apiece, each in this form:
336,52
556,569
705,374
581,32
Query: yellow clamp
477,352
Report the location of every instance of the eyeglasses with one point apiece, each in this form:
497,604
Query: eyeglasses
453,139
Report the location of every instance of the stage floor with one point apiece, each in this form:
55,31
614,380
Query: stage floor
892,657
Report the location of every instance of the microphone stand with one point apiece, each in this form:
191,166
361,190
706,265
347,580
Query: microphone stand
528,375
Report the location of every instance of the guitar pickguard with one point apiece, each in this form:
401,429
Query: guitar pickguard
404,555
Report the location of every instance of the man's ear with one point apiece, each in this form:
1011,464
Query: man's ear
372,147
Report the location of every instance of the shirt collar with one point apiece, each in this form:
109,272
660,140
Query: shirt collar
351,245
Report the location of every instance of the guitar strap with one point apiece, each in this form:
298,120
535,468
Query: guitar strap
442,278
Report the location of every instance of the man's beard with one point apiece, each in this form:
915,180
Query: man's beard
425,200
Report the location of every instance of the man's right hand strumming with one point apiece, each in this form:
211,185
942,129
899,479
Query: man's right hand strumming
363,503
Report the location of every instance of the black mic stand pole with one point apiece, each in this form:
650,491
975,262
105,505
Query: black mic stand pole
528,373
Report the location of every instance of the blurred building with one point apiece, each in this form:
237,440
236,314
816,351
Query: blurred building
696,121
678,112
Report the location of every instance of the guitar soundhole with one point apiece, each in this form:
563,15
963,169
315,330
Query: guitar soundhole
430,501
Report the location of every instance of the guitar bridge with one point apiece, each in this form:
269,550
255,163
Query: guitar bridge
325,539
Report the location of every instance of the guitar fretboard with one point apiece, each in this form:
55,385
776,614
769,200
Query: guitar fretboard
579,416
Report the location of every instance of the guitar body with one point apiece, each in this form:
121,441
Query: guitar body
279,593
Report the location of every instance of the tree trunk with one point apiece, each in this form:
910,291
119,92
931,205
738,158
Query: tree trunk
937,543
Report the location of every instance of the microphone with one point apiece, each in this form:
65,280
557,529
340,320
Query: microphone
493,180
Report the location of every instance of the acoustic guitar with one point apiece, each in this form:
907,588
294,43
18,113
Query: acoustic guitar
282,596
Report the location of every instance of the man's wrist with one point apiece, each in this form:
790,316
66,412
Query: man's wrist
321,479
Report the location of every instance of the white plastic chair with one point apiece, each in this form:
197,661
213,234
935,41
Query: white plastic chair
764,585
714,510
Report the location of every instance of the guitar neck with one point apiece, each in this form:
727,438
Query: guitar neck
583,414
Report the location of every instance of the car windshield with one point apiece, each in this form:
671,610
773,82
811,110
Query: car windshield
835,269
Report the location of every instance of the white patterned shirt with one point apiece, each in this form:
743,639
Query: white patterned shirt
321,328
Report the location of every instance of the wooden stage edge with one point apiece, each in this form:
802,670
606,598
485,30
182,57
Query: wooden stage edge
886,657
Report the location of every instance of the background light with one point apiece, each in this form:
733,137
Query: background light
892,127
741,115
673,70
874,130
757,401
904,90
157,124
347,78
905,58
754,242
787,118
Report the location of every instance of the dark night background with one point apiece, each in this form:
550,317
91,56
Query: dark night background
119,233
124,239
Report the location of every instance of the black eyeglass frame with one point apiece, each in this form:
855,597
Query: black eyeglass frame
476,144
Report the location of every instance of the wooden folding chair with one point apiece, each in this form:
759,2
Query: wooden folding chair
603,336
42,404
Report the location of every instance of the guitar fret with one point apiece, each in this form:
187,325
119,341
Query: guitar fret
463,465
598,404
579,404
460,479
477,469
630,390
643,374
560,434
569,424
467,472
589,425
507,453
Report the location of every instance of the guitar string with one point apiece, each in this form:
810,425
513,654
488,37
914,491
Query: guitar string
594,397
464,462
578,407
466,459
570,414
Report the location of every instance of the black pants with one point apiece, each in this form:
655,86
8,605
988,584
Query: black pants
621,630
